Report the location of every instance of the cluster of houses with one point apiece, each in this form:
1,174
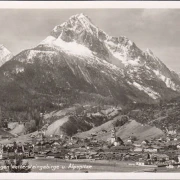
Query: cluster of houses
12,150
164,151
161,152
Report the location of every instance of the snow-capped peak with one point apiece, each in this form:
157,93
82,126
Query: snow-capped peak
80,37
76,17
77,23
80,29
5,54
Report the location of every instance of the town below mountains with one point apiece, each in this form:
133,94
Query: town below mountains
81,85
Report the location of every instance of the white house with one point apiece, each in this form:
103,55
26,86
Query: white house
129,141
138,149
140,163
144,142
153,150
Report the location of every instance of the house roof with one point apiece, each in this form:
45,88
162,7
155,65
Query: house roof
161,155
145,141
138,148
153,146
120,147
137,145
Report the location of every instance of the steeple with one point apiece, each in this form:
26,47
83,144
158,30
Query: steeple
113,135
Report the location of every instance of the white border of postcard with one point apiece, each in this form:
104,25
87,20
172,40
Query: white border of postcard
89,5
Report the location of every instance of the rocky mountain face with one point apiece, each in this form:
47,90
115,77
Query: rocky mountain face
140,69
83,63
5,55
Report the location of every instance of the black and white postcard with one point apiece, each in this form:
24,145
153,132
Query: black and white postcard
89,89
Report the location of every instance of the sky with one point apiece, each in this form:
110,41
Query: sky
156,29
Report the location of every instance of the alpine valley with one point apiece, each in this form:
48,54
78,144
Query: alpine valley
79,68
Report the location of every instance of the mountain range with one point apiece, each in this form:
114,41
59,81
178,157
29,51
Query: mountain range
80,63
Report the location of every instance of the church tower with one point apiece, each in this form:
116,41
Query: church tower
113,135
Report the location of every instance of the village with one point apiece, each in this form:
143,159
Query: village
157,152
153,153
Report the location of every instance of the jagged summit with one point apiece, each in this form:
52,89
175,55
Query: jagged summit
74,18
81,16
80,30
77,23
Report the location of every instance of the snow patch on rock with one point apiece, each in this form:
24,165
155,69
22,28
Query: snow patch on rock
37,53
19,70
147,90
69,47
121,52
73,48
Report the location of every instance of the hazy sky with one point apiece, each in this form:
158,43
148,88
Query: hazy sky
157,29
